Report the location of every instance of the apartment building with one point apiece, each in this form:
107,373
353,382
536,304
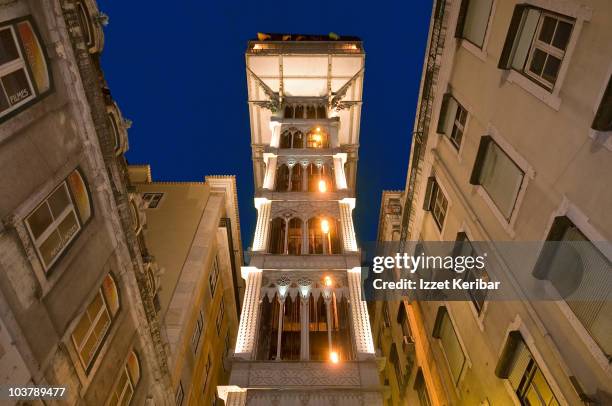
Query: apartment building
75,309
511,143
192,232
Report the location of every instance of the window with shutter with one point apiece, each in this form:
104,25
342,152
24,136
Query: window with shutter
603,118
445,331
473,20
536,43
500,177
575,266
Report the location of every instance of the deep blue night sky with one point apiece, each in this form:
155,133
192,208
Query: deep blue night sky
176,69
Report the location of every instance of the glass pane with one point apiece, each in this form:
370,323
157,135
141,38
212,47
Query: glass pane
127,397
523,42
81,329
95,306
51,247
110,294
452,348
501,178
16,86
548,29
58,201
76,183
476,21
8,48
102,325
551,69
68,227
540,384
537,62
40,220
562,35
123,379
89,349
114,400
35,56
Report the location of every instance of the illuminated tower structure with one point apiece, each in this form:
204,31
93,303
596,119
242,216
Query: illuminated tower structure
304,336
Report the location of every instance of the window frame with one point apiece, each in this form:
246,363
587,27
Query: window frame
475,177
548,49
213,277
220,316
433,191
37,94
87,367
72,208
464,8
131,382
149,197
442,316
197,332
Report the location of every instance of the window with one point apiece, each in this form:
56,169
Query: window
90,332
277,236
152,200
465,248
207,369
197,332
129,376
536,44
317,138
24,76
291,138
282,178
294,237
313,111
445,331
213,277
435,202
500,177
421,388
603,118
402,319
323,236
85,23
220,315
56,221
575,265
473,20
180,395
320,178
112,122
394,358
452,120
291,331
386,316
525,376
296,178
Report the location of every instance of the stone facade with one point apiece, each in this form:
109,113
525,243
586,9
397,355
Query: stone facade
75,307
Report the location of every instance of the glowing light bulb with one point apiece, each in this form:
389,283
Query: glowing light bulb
333,357
317,137
318,129
322,186
325,226
327,280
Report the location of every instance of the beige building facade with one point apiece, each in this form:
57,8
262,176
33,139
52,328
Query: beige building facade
512,143
192,232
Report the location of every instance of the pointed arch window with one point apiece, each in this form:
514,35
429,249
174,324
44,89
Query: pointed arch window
282,178
294,237
277,236
311,112
321,111
290,338
285,141
291,138
317,329
92,329
323,236
317,138
299,111
289,111
296,178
